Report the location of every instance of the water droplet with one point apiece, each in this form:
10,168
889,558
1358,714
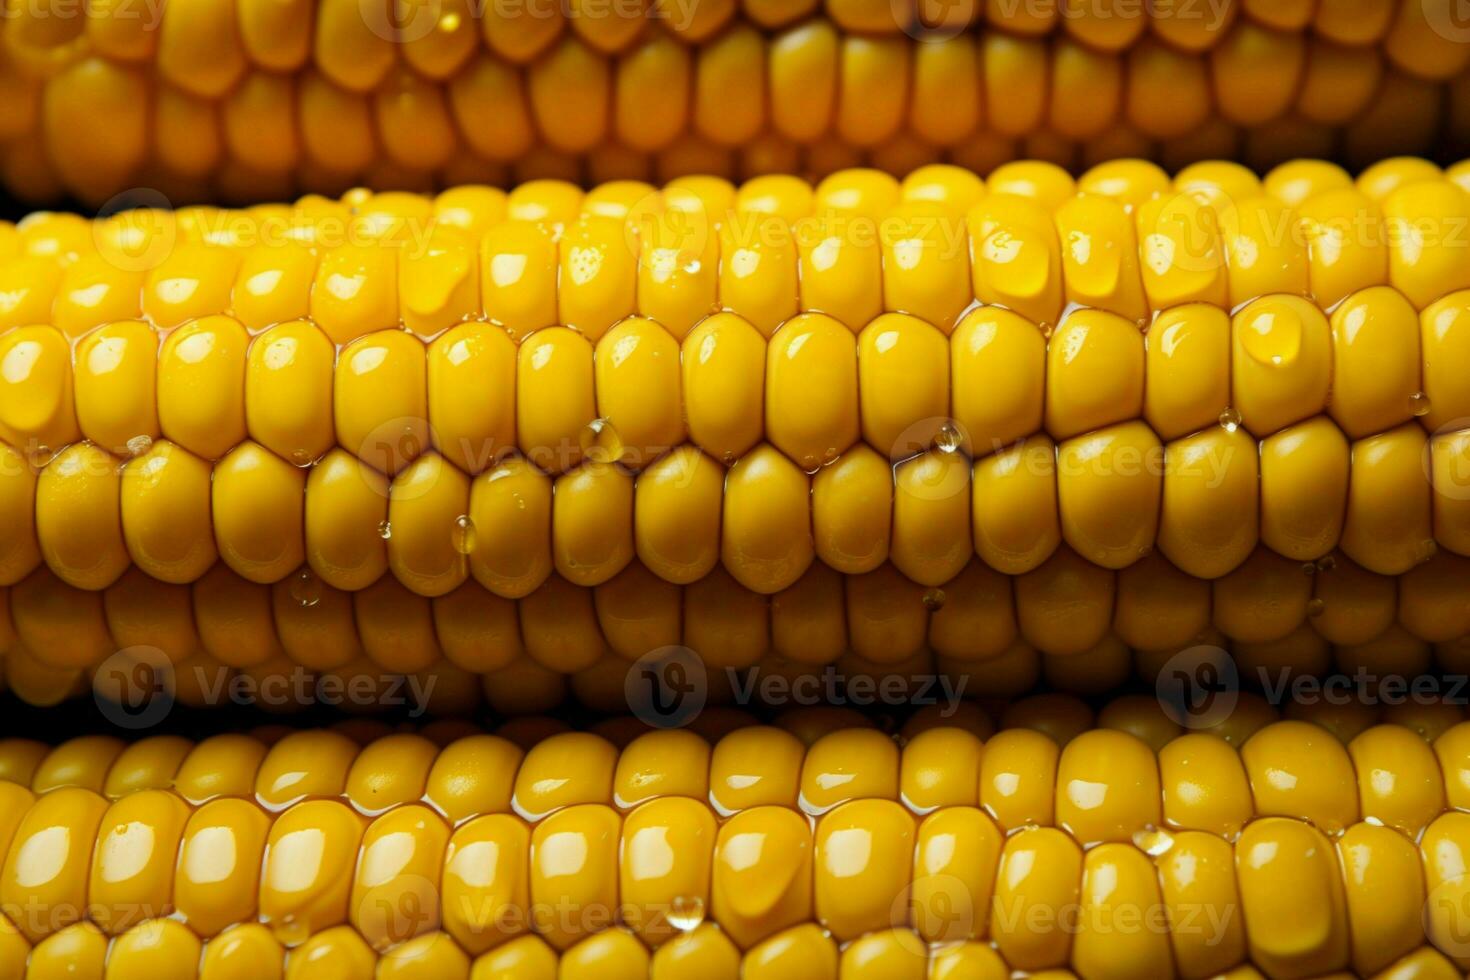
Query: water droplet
306,588
1046,331
729,458
1230,420
600,441
1419,404
1309,568
1316,607
138,445
686,912
292,931
1153,841
1326,563
1427,549
948,439
464,534
385,530
934,600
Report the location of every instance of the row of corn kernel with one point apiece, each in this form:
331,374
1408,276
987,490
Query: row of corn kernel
230,764
205,49
649,97
1209,503
1221,236
1405,117
155,947
209,384
657,88
1384,666
853,250
107,765
881,615
1283,90
1374,365
1011,811
1269,609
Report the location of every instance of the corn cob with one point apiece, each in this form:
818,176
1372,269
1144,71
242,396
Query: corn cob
757,854
536,669
253,99
250,473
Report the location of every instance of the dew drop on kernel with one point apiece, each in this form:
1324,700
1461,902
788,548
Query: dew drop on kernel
291,930
385,529
1230,420
1309,568
1153,841
594,429
306,588
948,439
138,445
1326,563
1316,607
934,600
600,441
686,912
464,535
1419,404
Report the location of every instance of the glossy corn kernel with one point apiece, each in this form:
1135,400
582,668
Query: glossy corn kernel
770,420
264,97
1248,847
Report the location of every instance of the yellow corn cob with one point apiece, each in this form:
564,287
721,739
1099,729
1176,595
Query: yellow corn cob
538,668
256,98
1255,848
268,463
